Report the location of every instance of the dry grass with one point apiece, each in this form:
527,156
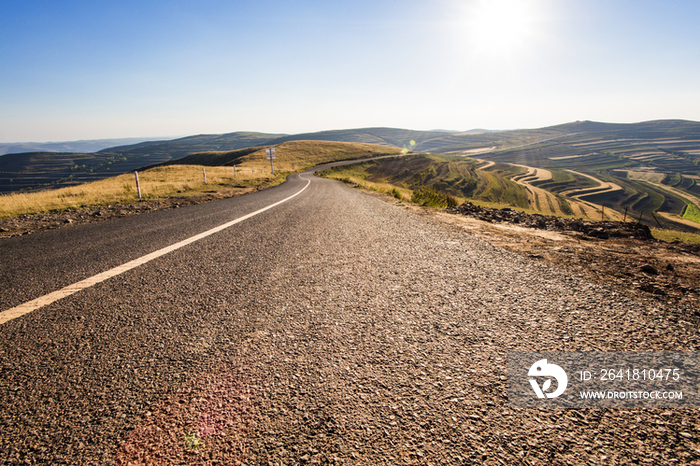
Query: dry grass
187,180
673,235
299,155
170,181
352,175
654,177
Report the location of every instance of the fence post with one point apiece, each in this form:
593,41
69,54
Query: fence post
204,173
138,187
234,171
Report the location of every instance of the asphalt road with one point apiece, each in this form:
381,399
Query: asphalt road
335,328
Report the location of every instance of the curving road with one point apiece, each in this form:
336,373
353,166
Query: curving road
334,328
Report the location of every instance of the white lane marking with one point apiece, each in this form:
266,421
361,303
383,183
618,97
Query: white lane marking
100,277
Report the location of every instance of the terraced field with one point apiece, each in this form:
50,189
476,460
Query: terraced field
547,202
634,183
603,187
649,171
544,201
514,185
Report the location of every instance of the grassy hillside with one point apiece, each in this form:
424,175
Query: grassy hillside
557,192
40,170
290,156
488,183
186,179
452,175
649,169
156,183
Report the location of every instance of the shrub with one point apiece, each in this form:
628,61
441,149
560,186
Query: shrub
468,185
395,192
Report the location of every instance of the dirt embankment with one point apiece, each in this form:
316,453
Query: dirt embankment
624,254
602,230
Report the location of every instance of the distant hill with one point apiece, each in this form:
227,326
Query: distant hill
535,147
425,141
645,129
177,148
665,145
40,170
480,130
92,145
384,136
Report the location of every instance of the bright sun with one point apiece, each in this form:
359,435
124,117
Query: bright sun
501,28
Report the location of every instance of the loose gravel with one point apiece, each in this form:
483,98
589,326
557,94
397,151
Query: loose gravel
338,329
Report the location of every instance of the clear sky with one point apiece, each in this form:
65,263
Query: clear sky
101,69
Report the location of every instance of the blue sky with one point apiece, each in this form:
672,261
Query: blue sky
93,69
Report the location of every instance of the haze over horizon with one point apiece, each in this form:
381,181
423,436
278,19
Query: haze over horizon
81,70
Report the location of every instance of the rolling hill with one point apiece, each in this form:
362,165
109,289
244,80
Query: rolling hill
646,171
41,170
92,145
643,169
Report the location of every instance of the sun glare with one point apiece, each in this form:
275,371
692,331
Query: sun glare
501,29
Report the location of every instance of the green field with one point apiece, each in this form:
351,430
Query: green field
692,213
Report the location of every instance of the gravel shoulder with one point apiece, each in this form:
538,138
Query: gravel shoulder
341,329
